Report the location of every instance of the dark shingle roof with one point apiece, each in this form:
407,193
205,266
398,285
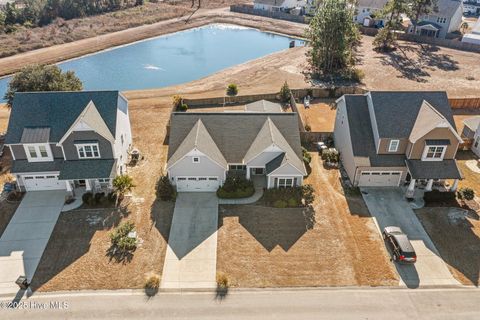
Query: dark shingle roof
88,169
233,133
275,163
401,108
22,166
446,169
58,110
361,134
437,142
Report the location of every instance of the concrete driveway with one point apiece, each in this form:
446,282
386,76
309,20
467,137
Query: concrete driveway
26,236
389,207
191,258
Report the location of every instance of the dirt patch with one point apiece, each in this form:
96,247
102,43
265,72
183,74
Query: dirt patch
4,115
471,177
320,116
75,257
456,234
336,244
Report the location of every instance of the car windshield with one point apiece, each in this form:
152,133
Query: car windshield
409,254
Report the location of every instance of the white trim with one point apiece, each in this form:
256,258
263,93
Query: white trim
400,174
425,151
168,167
11,151
91,145
286,163
38,154
390,149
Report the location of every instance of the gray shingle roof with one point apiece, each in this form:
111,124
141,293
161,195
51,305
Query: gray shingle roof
263,106
446,169
88,169
361,134
35,135
401,108
23,166
447,8
234,133
275,163
58,110
472,123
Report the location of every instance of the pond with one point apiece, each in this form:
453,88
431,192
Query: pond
172,59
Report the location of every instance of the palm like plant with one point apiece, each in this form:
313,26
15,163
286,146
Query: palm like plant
122,184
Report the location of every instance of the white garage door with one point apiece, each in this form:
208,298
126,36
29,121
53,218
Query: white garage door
197,184
43,182
379,178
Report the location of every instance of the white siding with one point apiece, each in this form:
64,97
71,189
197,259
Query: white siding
122,129
262,159
206,167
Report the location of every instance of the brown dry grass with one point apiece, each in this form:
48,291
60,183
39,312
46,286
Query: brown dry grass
267,247
320,116
458,242
471,178
75,257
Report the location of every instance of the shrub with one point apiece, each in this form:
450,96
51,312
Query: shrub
222,280
292,203
112,196
120,239
308,194
236,187
99,197
87,198
122,184
357,75
165,190
152,282
466,194
183,107
232,90
308,128
285,92
307,158
331,156
280,204
176,101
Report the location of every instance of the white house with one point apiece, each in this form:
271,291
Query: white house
366,8
471,131
278,5
474,36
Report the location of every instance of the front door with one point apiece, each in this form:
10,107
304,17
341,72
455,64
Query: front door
258,171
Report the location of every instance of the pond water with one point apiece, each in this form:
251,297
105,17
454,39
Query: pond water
172,59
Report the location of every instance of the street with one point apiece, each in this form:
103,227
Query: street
371,303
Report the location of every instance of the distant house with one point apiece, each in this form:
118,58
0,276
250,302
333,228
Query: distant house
471,7
68,140
368,9
474,36
391,138
471,130
439,23
278,5
261,142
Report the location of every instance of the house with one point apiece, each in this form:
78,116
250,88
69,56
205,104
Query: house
68,140
471,131
368,9
205,147
391,138
438,23
471,7
278,5
474,36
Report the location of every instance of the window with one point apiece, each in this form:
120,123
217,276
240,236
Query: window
38,152
213,179
121,138
181,179
196,160
88,151
237,167
202,179
393,147
476,141
32,151
441,20
284,183
434,153
43,151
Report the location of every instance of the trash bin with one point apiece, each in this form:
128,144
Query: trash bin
22,282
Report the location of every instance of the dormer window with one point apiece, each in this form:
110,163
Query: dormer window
38,152
88,151
393,146
434,153
196,160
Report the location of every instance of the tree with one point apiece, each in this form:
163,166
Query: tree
420,8
333,38
42,78
121,185
232,90
385,39
285,92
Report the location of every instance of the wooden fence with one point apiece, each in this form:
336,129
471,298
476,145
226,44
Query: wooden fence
465,103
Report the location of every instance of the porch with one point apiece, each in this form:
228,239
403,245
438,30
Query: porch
77,187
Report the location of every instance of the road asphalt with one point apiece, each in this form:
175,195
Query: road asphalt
331,304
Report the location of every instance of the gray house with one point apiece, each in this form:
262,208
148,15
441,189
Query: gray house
389,138
205,147
68,140
445,19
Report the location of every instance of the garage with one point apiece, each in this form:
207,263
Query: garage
42,182
379,178
197,184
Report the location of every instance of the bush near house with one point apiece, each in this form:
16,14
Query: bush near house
466,194
120,239
236,187
331,156
289,197
307,158
232,90
165,189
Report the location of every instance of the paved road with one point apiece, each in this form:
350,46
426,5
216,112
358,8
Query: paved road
23,242
191,258
331,304
389,207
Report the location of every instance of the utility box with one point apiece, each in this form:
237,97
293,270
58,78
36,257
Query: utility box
22,282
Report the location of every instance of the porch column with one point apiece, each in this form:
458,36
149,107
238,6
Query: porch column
69,186
455,185
248,173
410,189
429,185
88,187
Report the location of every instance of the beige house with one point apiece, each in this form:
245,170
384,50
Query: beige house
392,138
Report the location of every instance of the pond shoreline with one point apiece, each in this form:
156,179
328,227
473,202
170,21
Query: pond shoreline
72,50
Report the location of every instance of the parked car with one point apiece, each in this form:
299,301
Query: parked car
401,247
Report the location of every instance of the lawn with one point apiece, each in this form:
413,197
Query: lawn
334,244
75,257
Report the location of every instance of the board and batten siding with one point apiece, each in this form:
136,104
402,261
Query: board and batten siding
18,151
205,168
438,133
104,145
124,130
